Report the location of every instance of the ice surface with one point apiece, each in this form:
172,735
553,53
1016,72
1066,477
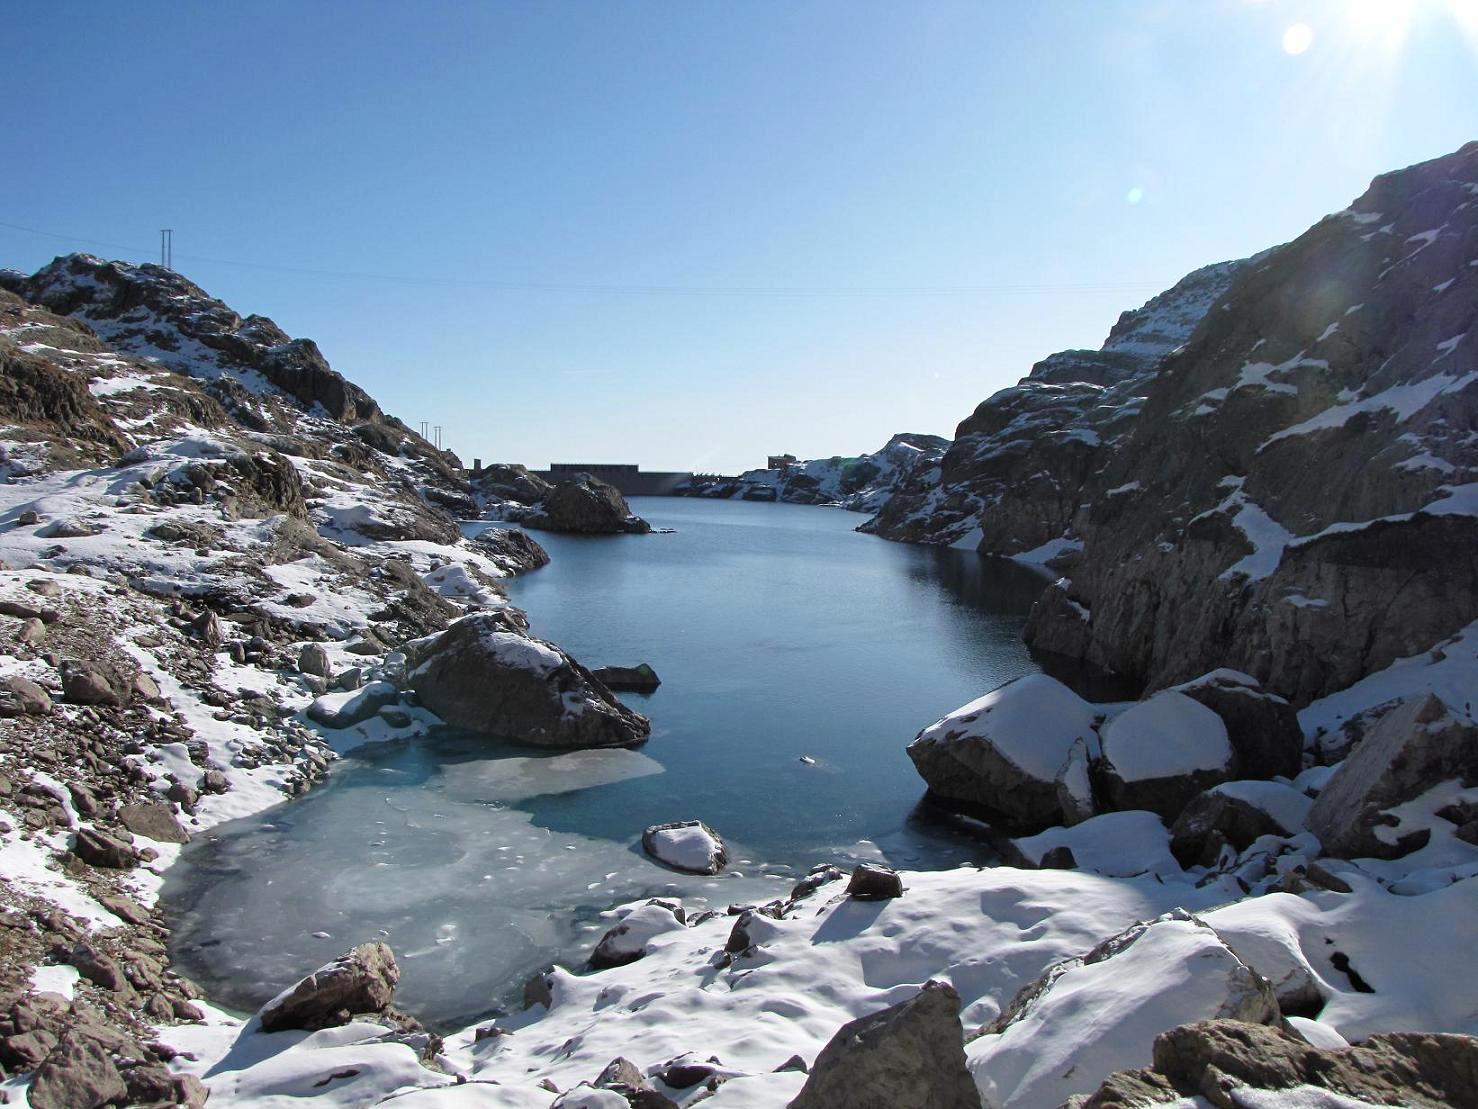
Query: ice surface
471,894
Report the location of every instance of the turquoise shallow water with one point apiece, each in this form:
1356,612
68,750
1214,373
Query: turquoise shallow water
778,633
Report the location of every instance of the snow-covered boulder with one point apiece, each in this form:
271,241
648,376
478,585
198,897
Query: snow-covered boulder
1261,726
1115,844
486,674
1086,1018
1001,754
360,981
638,926
353,706
1415,746
687,845
1162,752
909,1056
1236,813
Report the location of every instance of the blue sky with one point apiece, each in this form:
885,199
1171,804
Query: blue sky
690,234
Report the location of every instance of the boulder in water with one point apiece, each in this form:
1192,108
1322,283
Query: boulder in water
358,982
486,674
687,845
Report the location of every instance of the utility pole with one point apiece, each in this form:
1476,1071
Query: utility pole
425,430
166,247
438,437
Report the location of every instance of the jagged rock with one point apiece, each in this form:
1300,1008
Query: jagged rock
1160,753
628,679
23,697
1416,745
98,968
874,882
1074,784
586,506
627,941
358,982
1087,1017
1226,1061
146,689
513,550
908,1056
1000,755
687,845
78,1074
511,483
620,1071
207,628
101,849
88,683
486,675
1262,727
153,819
1237,813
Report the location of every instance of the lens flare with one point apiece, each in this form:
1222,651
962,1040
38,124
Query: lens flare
1297,39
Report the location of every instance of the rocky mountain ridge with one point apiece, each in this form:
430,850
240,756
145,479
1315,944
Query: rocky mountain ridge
861,484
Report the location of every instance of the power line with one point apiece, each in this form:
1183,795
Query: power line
1024,289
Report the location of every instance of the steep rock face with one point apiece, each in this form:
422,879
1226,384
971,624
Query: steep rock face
862,484
1296,498
1019,463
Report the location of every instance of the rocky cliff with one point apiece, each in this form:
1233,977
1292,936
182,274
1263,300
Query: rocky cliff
1017,469
1296,499
1268,467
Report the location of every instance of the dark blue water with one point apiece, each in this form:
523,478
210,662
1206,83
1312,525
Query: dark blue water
778,633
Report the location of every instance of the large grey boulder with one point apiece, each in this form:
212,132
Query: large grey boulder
154,819
487,675
1160,753
78,1074
1087,1017
1229,1063
908,1056
1416,745
586,506
362,981
1000,755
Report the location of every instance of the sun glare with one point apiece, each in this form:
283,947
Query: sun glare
1297,39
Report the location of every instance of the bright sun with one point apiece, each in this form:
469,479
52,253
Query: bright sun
1384,24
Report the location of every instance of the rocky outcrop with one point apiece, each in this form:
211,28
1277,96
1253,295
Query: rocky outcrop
510,483
585,506
908,1056
1229,1063
514,551
1262,727
149,307
486,674
1416,745
1000,755
1085,1018
361,981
